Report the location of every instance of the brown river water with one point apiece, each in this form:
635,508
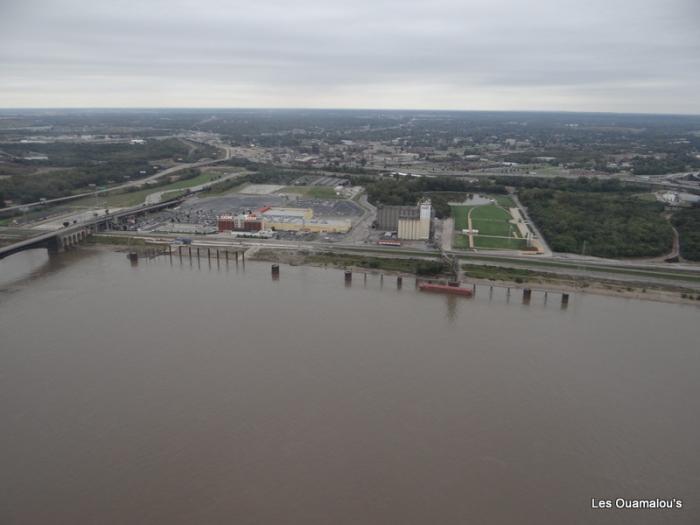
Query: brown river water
194,393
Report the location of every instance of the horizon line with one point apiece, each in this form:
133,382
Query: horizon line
303,108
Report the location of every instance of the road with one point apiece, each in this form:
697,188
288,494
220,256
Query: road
156,196
546,250
360,231
448,230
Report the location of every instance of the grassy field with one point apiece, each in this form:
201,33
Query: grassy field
195,181
503,200
497,273
490,212
459,213
499,243
313,192
114,200
419,267
460,242
492,227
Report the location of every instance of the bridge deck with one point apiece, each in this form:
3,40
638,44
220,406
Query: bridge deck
45,238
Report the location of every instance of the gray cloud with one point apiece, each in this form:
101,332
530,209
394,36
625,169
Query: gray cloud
599,55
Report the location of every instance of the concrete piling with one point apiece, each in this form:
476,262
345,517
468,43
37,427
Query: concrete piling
527,295
399,282
564,300
348,277
275,272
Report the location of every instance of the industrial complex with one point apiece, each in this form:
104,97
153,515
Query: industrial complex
412,223
281,219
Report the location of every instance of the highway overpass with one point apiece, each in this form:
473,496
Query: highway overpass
60,239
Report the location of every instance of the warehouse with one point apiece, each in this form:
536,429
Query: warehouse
296,224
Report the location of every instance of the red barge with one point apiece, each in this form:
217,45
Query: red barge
445,288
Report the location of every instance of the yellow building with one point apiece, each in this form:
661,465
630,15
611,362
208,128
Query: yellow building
301,220
294,224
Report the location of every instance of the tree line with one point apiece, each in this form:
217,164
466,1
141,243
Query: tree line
615,225
687,223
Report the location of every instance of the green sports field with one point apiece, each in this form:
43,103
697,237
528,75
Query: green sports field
493,223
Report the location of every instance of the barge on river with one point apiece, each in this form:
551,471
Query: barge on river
452,288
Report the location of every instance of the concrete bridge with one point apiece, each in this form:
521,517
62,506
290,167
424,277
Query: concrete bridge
58,240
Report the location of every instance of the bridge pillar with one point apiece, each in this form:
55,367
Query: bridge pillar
53,245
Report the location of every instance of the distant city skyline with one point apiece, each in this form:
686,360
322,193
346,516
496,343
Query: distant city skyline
539,55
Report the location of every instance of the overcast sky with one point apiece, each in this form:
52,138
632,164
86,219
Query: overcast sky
578,55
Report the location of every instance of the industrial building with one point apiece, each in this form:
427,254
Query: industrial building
411,222
295,224
276,213
388,216
281,219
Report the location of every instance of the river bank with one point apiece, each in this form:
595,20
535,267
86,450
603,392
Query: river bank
486,275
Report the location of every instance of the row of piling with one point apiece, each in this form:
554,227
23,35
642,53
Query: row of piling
133,255
217,253
527,292
275,271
